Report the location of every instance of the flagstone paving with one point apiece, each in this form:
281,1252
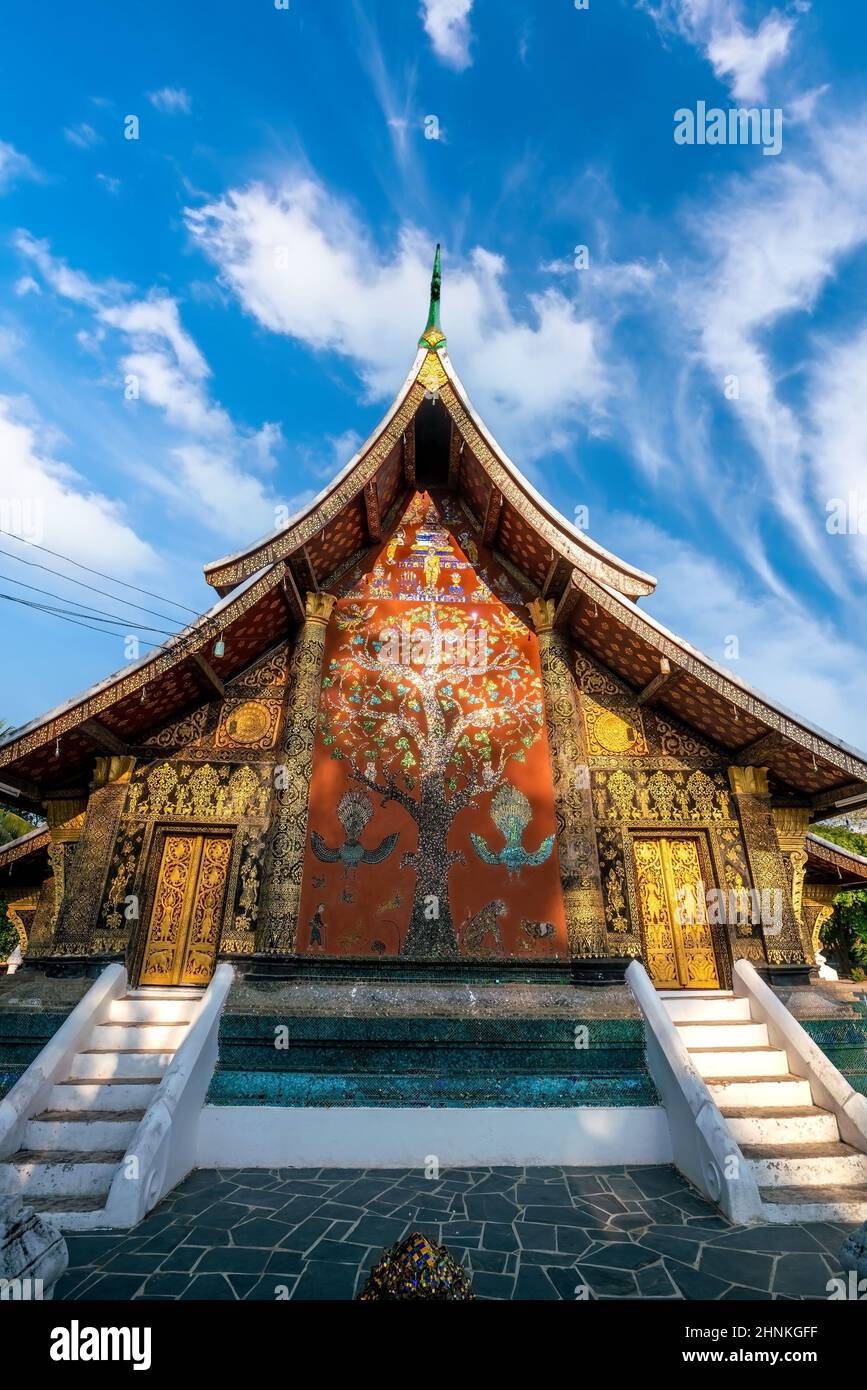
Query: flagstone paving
535,1233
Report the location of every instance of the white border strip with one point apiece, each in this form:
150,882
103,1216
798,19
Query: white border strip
265,1136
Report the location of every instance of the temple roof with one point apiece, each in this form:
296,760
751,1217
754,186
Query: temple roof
431,414
431,438
23,847
828,862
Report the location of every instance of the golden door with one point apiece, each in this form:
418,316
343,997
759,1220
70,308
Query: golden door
184,927
671,894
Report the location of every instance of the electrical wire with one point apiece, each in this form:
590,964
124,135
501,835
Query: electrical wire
34,564
122,618
66,617
99,573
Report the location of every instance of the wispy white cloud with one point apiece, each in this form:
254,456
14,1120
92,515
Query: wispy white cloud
44,499
740,56
172,101
82,135
447,24
302,264
838,441
13,166
216,463
785,649
770,247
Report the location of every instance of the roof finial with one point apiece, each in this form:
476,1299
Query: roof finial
433,336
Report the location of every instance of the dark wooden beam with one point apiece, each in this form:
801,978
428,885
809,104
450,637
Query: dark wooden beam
307,564
456,449
752,754
291,596
210,680
570,603
557,577
667,677
20,787
492,516
847,797
371,506
104,738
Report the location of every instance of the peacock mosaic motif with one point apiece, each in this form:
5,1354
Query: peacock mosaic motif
432,822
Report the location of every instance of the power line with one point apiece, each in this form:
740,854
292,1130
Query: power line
180,645
49,569
99,573
112,617
66,617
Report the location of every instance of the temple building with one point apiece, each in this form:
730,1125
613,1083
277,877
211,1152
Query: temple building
428,731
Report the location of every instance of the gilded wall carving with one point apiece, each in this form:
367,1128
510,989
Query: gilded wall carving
215,776
649,773
90,865
201,792
284,868
576,841
783,940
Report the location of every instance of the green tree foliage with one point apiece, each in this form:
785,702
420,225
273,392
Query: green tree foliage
12,826
845,932
8,934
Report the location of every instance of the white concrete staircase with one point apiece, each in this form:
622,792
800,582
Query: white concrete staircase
803,1169
71,1150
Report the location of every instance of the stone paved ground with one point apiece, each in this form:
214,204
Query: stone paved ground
534,1233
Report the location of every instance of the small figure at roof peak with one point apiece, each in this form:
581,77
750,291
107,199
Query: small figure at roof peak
433,336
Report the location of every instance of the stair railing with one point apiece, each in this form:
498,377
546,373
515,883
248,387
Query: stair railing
703,1146
163,1149
31,1091
830,1088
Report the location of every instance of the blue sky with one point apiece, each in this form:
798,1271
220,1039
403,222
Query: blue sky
257,262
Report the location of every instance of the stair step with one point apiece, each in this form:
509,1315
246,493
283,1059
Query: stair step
195,992
131,1036
751,1062
776,1092
119,1095
697,1008
787,1205
782,1127
836,1149
81,1131
722,1033
73,1212
166,1011
808,1166
25,1156
46,1172
69,1201
86,1116
95,1064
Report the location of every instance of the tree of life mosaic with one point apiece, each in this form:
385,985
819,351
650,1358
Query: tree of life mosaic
432,827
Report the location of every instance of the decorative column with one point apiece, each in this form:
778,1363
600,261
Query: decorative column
76,933
277,923
784,943
792,824
576,834
65,816
818,907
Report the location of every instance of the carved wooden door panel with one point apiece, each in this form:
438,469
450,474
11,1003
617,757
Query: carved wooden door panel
184,929
679,947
